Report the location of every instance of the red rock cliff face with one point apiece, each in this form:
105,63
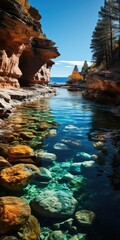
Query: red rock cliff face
103,87
25,53
104,81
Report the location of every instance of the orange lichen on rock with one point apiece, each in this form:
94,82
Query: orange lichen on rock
14,212
11,213
76,76
16,177
20,150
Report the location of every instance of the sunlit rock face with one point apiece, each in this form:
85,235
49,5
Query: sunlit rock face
103,87
23,47
35,62
105,81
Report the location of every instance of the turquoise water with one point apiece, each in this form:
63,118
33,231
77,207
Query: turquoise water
86,123
85,131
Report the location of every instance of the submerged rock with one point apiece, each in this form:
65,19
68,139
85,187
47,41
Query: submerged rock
14,212
79,236
71,127
56,235
30,230
45,157
85,217
75,168
14,178
87,164
54,204
83,155
67,177
43,176
60,146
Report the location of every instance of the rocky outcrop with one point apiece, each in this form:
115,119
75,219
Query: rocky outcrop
104,81
25,53
10,98
103,87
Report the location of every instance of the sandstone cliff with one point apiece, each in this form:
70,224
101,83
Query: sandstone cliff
25,53
103,87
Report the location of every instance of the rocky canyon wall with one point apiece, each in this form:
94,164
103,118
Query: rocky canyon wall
25,53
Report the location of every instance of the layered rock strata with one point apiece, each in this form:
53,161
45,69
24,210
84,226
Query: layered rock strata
25,52
10,98
103,87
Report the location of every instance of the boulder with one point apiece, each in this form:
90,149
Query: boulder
16,177
14,212
45,157
20,151
85,218
54,204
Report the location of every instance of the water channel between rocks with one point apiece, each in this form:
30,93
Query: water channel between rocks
84,136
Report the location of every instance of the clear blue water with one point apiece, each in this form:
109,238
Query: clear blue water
59,80
102,191
83,127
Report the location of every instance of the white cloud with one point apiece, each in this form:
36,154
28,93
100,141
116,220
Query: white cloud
73,63
68,66
57,63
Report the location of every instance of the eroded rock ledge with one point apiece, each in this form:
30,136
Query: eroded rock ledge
10,98
25,52
103,87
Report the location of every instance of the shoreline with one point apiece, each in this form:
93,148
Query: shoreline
11,98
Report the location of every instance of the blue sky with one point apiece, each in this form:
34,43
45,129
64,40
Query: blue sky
70,24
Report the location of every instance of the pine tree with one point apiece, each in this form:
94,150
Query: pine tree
103,36
75,68
84,70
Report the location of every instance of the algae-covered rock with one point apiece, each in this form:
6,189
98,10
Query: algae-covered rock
43,176
56,235
44,126
85,218
75,168
79,236
54,204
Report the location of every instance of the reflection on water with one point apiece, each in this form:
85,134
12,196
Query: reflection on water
86,143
